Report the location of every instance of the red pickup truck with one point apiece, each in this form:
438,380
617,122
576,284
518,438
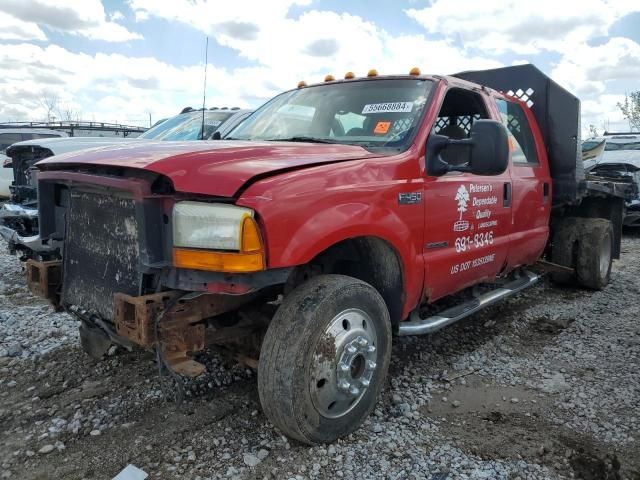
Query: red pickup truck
335,215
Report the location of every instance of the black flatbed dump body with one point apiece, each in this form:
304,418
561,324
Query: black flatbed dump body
557,113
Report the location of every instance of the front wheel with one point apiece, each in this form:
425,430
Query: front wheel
324,358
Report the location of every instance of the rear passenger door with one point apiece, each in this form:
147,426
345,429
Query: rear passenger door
531,185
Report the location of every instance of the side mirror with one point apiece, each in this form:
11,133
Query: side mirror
216,135
489,153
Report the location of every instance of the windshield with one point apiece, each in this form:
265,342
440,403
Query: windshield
187,126
371,113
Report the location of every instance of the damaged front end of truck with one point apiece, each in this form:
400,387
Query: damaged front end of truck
111,233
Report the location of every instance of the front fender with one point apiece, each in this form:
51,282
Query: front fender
304,213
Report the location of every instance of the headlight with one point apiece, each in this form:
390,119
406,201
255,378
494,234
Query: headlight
208,225
199,228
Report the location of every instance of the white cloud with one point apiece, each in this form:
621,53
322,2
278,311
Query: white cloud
522,27
284,50
316,43
13,29
589,73
113,87
86,18
459,35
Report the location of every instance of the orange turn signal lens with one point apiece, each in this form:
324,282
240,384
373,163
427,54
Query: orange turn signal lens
349,75
231,262
414,71
302,84
372,73
329,78
250,258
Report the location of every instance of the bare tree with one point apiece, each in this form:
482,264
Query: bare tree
630,108
50,103
69,114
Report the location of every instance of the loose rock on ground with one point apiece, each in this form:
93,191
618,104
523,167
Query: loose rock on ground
543,386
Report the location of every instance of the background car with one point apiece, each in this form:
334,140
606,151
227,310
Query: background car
10,136
616,155
20,216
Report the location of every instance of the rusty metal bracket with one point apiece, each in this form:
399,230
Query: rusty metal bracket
550,267
44,279
171,321
134,317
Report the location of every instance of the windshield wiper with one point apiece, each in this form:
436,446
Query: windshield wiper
302,139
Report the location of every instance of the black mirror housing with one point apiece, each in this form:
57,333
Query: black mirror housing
490,148
489,154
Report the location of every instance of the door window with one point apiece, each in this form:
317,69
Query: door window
459,110
521,141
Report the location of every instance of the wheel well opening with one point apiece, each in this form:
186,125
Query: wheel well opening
369,259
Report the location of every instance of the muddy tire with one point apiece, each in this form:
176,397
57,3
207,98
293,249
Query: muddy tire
324,358
594,260
563,249
93,340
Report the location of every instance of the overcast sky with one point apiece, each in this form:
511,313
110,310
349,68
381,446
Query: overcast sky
121,60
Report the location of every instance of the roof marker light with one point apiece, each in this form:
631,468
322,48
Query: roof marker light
414,71
349,76
302,84
329,78
372,73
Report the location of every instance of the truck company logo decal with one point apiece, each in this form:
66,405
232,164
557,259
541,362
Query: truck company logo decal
409,198
462,197
391,107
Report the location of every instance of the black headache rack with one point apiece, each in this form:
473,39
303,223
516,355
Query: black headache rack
557,113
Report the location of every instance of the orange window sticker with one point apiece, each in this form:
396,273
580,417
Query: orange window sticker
382,128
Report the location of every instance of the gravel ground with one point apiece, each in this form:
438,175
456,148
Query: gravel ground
544,386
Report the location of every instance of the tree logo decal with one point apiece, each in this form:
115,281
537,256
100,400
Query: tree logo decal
462,197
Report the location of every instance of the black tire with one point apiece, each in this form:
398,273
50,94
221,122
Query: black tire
94,341
594,260
563,247
289,361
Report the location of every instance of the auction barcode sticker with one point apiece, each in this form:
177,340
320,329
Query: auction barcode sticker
391,107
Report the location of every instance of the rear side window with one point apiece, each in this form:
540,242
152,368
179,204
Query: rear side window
45,135
521,142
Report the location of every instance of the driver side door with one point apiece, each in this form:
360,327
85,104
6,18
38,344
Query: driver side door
467,216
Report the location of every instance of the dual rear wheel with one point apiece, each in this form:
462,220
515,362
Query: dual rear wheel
586,245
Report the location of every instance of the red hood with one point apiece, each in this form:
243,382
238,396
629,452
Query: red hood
210,168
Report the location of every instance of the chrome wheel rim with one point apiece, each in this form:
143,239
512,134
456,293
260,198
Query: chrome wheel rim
344,363
605,258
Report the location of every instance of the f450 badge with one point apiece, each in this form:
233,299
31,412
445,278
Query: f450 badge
409,198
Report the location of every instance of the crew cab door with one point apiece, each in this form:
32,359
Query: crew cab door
531,197
467,217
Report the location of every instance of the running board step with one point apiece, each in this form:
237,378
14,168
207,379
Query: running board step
422,326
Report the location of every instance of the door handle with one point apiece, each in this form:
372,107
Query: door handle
506,195
545,192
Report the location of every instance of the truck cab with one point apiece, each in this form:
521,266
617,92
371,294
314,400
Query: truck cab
327,222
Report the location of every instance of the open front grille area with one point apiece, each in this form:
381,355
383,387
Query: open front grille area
101,252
